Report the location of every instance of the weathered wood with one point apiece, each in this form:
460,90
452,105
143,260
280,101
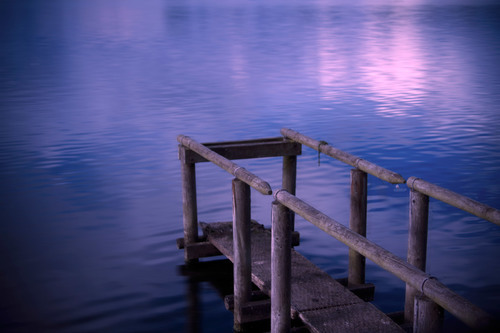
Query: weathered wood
242,249
234,150
349,318
258,308
439,293
357,223
428,317
231,167
306,295
257,295
200,249
189,205
281,259
359,163
289,181
417,243
467,204
203,249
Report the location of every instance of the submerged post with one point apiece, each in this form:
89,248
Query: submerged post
357,223
281,261
189,206
241,245
289,181
417,243
428,316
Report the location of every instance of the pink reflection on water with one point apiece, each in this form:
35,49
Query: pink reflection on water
388,59
396,72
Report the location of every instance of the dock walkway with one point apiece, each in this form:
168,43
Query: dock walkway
300,290
322,303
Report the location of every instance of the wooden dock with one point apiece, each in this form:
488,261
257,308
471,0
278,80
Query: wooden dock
297,290
322,303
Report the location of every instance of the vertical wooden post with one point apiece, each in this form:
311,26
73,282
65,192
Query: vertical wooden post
290,180
417,243
242,248
281,258
428,316
189,205
357,223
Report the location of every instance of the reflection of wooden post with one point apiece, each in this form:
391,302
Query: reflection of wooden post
194,307
357,223
290,180
428,316
189,206
281,259
417,243
241,245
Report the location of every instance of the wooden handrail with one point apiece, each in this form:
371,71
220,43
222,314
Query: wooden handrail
231,167
457,200
364,165
469,313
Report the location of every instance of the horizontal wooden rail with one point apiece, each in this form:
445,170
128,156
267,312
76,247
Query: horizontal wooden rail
428,285
231,167
368,167
246,149
474,207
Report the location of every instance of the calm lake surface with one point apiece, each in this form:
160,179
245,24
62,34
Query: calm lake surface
94,93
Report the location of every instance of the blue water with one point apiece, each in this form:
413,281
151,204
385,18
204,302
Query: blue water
94,93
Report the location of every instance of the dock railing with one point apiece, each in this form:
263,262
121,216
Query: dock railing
421,311
425,295
414,277
191,152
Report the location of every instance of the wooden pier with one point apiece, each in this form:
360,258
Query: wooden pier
296,289
317,299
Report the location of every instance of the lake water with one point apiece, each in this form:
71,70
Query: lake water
94,93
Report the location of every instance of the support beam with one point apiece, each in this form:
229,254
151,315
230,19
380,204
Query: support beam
189,205
428,316
357,223
281,262
417,243
242,248
289,181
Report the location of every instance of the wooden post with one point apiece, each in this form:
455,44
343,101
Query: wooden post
290,180
417,243
189,206
281,258
357,223
428,316
242,247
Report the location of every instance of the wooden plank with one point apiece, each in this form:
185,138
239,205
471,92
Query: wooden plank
200,249
348,318
307,299
235,150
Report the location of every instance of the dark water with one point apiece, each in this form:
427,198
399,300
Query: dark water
94,93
